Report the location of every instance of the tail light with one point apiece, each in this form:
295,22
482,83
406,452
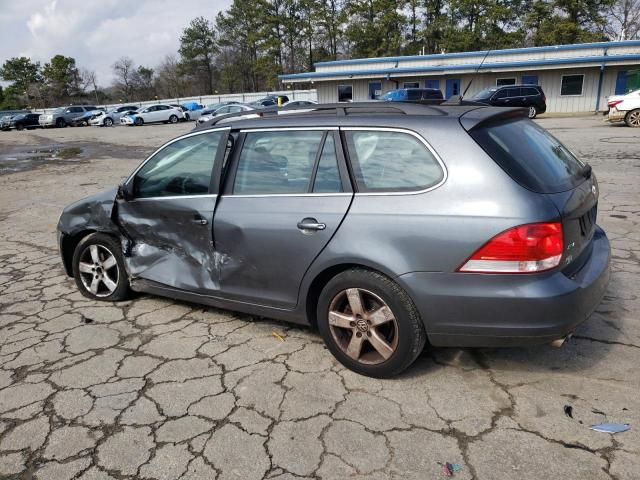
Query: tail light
613,103
530,248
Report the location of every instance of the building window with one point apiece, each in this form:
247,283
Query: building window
432,84
529,80
571,85
411,85
501,82
345,93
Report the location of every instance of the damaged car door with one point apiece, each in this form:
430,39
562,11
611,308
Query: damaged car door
285,195
166,212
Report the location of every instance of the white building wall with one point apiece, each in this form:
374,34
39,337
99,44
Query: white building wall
549,80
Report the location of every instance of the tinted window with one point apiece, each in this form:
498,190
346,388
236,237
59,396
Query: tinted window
328,177
345,93
501,94
571,85
529,91
181,168
530,155
76,110
88,109
414,94
484,93
276,162
391,161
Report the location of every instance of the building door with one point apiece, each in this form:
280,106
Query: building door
621,83
453,87
375,90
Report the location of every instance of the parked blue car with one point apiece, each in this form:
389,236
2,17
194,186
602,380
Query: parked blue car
433,95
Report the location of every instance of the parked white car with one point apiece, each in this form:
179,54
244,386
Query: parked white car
152,114
225,109
625,108
112,117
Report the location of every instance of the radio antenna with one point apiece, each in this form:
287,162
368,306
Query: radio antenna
474,74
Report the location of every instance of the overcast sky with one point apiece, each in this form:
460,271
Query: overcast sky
98,32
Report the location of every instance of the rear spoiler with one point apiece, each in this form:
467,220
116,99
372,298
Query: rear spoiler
482,116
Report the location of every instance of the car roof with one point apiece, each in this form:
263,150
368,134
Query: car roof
369,114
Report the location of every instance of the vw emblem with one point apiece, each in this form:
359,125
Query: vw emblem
594,190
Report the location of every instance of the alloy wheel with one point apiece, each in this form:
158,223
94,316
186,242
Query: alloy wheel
363,326
532,112
99,270
634,118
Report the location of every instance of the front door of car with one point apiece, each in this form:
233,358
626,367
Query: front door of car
286,194
168,214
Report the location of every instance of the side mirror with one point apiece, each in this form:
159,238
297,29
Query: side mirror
125,191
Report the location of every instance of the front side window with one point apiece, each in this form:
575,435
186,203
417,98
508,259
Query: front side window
345,93
276,162
181,168
391,162
571,85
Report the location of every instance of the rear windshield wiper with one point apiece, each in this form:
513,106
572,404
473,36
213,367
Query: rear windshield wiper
586,171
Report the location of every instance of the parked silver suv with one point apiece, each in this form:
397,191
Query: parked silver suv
383,225
61,117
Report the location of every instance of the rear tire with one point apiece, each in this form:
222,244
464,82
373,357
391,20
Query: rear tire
379,337
173,119
99,270
632,118
533,112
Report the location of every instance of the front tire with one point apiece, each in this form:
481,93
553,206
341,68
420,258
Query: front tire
369,323
139,122
173,119
533,112
61,123
19,127
108,122
99,270
632,118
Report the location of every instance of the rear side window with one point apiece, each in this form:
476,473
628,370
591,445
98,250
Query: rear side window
528,91
530,155
277,162
391,162
414,94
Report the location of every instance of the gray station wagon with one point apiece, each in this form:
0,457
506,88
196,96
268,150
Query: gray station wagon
384,226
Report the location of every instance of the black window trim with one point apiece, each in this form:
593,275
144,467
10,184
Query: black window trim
174,197
227,191
420,138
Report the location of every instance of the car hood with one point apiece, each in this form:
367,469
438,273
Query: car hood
90,213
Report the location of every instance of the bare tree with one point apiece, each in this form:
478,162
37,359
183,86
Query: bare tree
124,70
170,81
624,20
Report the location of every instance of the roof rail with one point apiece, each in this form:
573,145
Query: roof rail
337,109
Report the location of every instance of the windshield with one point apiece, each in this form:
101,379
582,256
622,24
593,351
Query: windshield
486,93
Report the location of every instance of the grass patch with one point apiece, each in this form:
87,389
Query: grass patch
68,152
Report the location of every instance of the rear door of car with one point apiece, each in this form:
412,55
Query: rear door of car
168,218
286,194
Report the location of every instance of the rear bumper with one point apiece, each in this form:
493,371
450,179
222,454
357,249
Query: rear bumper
475,310
616,115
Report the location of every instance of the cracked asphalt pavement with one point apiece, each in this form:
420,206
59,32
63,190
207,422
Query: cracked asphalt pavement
161,389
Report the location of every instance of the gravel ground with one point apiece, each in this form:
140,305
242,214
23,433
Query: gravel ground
155,388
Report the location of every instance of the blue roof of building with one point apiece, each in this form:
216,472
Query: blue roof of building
603,59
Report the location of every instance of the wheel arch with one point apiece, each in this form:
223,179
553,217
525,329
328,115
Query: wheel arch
69,243
323,277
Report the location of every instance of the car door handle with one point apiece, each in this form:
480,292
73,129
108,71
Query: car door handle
199,220
311,224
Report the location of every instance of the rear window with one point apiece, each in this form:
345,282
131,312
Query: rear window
530,155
